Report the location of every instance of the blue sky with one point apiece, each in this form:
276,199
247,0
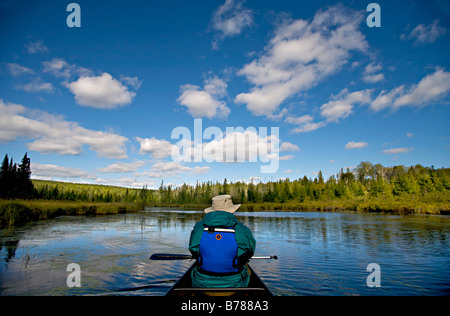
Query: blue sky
98,103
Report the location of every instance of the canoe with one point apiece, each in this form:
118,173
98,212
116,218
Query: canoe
183,287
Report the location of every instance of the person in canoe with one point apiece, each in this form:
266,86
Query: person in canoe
222,246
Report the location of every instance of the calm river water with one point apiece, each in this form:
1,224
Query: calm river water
319,253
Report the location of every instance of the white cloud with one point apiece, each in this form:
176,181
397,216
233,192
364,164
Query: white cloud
373,78
286,157
230,19
372,73
426,34
342,105
53,134
241,146
168,169
400,150
127,182
18,70
299,120
36,85
122,167
304,124
132,82
339,107
36,47
52,171
101,92
205,102
430,89
308,127
60,68
385,99
287,146
300,55
356,145
57,66
158,149
234,146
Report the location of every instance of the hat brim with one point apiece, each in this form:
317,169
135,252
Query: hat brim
229,209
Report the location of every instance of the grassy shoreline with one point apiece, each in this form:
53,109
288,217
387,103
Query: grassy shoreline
401,205
16,212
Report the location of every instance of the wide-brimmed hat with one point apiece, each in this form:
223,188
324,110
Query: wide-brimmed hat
222,203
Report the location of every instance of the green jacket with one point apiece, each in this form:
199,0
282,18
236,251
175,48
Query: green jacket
246,248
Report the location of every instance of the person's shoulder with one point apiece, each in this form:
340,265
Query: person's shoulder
199,225
242,228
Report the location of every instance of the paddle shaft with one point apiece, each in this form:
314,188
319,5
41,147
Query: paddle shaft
266,257
168,256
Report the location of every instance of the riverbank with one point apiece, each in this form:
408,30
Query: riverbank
16,212
399,205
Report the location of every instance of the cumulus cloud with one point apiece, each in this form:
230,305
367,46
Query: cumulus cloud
339,107
58,67
426,34
101,92
385,99
287,146
299,56
431,88
36,85
167,169
53,134
356,145
205,102
400,150
305,123
342,105
122,167
237,145
18,70
372,73
308,127
36,47
230,19
286,157
127,182
157,148
132,82
52,171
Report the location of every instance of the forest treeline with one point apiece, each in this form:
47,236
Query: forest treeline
365,181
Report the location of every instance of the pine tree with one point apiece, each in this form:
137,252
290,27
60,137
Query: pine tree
15,180
24,184
3,176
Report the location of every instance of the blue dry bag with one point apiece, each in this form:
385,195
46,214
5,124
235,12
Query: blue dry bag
218,251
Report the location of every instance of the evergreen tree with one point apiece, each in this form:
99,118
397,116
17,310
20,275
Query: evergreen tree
4,174
24,185
15,180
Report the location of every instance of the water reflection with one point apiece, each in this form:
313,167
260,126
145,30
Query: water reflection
320,253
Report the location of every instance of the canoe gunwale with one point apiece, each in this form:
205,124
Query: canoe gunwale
183,287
